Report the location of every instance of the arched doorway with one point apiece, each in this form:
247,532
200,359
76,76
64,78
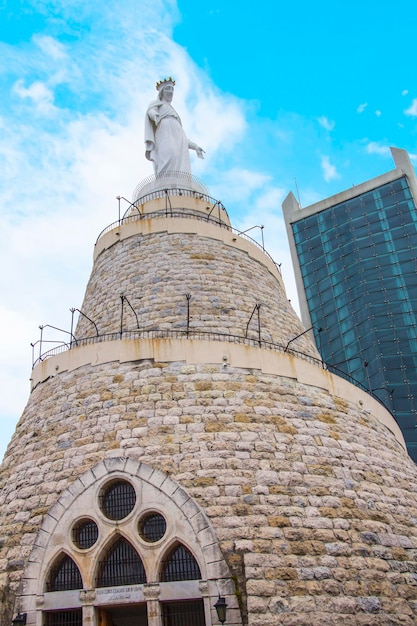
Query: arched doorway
126,545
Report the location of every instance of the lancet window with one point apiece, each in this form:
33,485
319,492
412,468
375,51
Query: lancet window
64,575
121,566
180,565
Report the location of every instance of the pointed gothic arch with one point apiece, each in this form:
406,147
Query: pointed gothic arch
179,564
157,495
63,574
120,565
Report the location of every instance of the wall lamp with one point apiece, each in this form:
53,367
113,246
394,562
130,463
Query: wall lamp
221,607
19,619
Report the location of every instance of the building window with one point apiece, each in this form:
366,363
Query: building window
64,618
180,565
183,613
121,566
85,534
117,499
152,527
64,575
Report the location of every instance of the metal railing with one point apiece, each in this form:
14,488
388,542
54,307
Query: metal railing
189,214
177,213
154,333
178,191
171,179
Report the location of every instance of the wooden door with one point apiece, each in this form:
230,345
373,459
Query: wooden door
104,618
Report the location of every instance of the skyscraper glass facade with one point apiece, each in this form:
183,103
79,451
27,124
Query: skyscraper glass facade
358,262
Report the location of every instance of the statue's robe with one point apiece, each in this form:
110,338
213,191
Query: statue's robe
166,143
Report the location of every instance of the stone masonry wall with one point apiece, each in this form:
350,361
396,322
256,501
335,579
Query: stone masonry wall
313,501
155,272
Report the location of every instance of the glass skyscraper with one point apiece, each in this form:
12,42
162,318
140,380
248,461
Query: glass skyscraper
355,260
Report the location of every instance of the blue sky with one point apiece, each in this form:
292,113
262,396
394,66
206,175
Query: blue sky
313,92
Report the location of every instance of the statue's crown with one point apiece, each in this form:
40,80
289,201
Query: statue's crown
165,81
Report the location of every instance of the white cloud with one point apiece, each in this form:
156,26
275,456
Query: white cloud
404,92
361,108
329,170
51,47
270,199
378,113
326,123
240,183
14,322
38,93
212,121
412,110
375,148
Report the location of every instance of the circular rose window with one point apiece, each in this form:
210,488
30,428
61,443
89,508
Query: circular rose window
117,499
152,527
85,533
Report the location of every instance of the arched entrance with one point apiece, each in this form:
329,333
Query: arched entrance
125,545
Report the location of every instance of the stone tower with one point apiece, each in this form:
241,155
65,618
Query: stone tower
190,446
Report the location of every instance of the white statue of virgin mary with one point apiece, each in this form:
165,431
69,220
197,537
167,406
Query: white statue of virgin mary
166,143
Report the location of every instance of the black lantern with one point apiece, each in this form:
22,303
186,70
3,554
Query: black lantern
221,607
19,620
